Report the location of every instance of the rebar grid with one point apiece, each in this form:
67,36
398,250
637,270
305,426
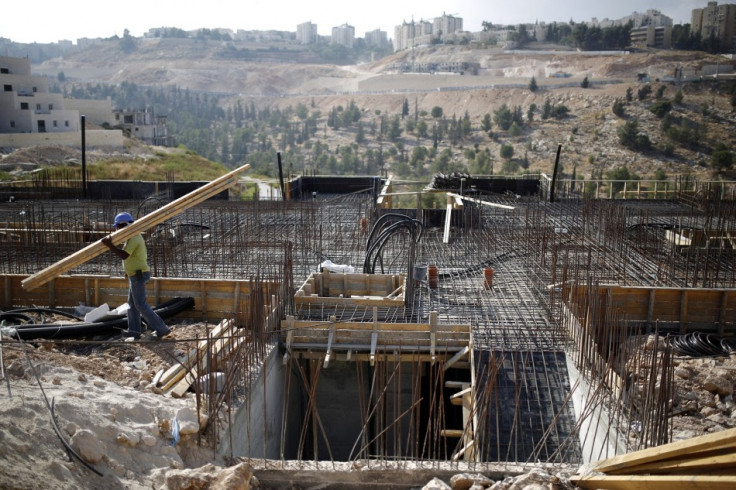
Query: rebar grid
521,325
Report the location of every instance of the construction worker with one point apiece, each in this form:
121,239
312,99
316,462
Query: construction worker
135,264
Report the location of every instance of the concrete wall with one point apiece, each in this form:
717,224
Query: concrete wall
256,427
94,139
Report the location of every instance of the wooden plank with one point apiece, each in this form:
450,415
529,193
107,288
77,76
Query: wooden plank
708,442
219,344
140,225
655,482
689,465
179,369
478,201
448,221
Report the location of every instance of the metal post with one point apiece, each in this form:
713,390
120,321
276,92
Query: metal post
84,158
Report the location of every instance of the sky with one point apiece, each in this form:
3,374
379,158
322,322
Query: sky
53,20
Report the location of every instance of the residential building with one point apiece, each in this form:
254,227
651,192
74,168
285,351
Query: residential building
343,35
652,36
376,38
27,106
410,34
446,25
306,33
718,21
145,126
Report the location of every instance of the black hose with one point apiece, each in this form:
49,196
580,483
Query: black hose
108,327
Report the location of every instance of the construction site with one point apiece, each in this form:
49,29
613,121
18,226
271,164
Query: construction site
360,337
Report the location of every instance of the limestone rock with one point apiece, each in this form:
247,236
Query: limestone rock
464,481
88,446
436,484
718,385
188,421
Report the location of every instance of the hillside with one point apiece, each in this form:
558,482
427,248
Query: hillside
588,134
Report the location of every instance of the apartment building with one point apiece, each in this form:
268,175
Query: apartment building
343,35
27,106
376,38
306,33
652,36
444,29
144,126
717,21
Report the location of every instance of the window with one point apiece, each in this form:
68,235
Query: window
66,123
38,107
51,107
7,88
55,123
12,124
24,106
4,70
35,89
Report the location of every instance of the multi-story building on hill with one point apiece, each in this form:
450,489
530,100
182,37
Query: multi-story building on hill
343,35
717,21
145,126
32,115
376,38
410,34
306,33
27,106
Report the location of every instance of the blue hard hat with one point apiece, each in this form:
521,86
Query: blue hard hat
122,218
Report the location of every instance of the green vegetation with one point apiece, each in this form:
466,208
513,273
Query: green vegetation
183,165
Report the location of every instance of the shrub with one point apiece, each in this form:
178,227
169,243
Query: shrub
661,108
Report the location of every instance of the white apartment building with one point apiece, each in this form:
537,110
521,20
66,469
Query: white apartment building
306,33
343,35
377,38
718,21
26,106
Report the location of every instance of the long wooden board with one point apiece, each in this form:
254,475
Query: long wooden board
142,224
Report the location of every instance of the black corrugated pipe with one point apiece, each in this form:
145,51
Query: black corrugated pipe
109,327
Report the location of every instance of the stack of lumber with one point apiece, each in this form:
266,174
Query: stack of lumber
222,341
707,462
138,226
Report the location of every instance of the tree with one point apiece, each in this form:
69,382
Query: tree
618,107
630,137
620,174
585,83
503,117
547,109
436,112
722,159
533,85
422,128
514,130
405,108
661,108
360,134
127,43
506,151
678,97
530,112
394,131
486,123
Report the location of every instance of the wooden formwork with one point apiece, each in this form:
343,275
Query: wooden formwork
369,340
333,289
214,299
712,310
